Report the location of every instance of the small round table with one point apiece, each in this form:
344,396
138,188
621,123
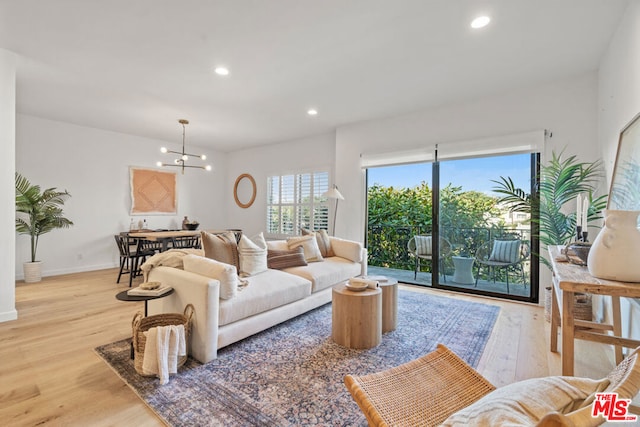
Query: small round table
356,317
463,273
389,287
123,296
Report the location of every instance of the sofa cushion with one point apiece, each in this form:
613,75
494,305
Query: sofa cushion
285,259
253,255
277,245
266,291
325,274
348,249
323,240
221,247
527,402
309,244
225,273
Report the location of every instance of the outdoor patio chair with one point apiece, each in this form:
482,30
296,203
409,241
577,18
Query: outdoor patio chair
502,254
419,248
441,389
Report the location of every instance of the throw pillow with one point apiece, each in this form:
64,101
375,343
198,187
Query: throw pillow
253,255
309,245
221,247
527,402
323,240
225,273
285,259
505,251
423,245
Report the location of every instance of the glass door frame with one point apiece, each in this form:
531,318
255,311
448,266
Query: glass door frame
534,274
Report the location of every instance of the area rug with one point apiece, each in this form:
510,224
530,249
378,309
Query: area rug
292,374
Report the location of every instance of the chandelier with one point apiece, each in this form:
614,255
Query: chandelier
182,160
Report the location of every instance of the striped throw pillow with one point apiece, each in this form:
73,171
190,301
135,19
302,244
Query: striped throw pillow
284,259
505,251
423,245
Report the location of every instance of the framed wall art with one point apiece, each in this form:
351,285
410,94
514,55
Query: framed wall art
624,194
153,192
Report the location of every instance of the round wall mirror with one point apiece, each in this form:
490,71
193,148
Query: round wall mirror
244,190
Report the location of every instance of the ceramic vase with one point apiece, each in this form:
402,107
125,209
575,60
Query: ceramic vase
614,253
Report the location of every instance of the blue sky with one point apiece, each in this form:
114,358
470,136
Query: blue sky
470,174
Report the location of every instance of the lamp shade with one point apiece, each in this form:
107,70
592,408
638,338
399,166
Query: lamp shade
333,193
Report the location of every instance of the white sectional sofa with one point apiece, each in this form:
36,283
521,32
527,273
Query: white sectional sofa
271,296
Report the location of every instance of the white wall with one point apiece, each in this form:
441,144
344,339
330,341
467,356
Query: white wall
93,165
7,187
311,153
618,103
567,108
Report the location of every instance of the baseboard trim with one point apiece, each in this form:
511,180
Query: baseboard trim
8,316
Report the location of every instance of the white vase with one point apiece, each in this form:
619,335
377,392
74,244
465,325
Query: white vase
32,271
616,250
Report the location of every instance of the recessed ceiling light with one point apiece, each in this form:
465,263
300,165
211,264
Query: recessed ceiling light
312,112
480,21
222,71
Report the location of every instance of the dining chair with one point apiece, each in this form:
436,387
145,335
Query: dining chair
131,256
186,242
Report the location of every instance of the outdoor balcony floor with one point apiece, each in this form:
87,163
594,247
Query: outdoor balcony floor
424,278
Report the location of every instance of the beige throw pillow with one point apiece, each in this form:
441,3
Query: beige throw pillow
526,402
253,255
323,240
309,245
221,247
224,273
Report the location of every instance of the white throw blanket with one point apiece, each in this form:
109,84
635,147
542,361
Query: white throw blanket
170,258
165,344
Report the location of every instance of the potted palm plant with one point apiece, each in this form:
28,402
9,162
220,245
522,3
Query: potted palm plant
561,181
38,212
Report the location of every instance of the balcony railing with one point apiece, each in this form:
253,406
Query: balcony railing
387,246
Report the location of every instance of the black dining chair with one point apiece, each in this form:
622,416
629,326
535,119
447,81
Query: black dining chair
132,256
186,242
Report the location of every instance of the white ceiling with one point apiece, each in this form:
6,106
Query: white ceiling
136,66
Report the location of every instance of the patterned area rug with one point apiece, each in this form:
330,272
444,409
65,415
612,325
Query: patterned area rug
292,374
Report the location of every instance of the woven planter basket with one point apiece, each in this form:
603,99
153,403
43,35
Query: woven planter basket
582,306
141,324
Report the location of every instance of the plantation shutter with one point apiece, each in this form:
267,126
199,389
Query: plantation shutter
295,201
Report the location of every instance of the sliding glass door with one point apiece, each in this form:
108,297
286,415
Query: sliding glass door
441,224
484,247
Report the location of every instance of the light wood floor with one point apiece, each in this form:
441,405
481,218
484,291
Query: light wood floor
49,373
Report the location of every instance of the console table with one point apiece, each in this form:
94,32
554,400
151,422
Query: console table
569,279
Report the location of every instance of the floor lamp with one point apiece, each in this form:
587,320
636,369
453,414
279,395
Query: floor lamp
333,193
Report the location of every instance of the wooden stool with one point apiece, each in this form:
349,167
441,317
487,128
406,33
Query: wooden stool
356,317
389,304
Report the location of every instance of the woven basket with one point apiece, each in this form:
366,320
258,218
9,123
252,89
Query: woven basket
141,324
582,307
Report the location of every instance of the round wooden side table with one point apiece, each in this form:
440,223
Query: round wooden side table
356,317
389,288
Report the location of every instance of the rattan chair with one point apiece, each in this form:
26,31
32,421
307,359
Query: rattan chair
420,253
426,391
489,256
